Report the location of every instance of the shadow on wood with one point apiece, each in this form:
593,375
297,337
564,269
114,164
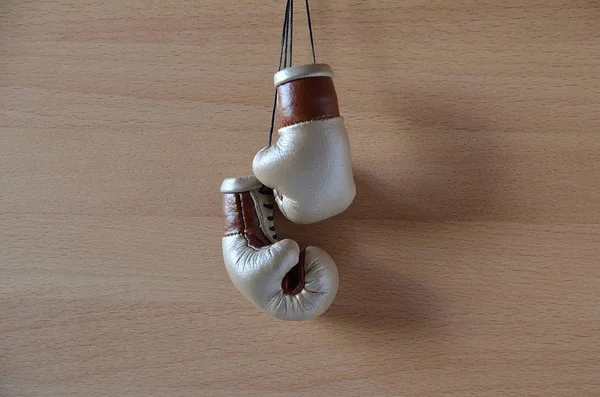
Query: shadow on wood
443,166
445,169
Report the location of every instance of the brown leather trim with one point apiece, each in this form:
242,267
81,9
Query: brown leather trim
307,99
252,231
293,282
232,212
241,218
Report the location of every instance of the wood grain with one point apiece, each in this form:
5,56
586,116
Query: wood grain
469,262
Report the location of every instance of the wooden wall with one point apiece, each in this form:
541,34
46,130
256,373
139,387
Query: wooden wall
469,263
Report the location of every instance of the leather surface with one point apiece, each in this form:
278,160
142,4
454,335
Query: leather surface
302,71
261,269
310,168
307,99
232,214
258,275
241,218
240,184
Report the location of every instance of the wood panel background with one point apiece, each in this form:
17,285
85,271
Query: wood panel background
469,262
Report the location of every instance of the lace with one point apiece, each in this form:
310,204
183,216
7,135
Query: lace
265,191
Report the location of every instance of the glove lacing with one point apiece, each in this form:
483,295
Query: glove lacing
269,205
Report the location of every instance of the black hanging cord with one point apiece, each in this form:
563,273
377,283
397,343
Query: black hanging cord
283,40
312,42
287,40
291,34
286,34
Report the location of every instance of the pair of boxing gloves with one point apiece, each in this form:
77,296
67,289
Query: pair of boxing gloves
308,174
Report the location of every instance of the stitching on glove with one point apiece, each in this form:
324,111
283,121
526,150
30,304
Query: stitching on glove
245,233
327,117
232,234
244,222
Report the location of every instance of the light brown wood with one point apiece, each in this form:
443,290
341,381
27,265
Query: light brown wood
469,262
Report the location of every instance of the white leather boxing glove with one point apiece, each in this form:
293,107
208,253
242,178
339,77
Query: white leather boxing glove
276,276
309,166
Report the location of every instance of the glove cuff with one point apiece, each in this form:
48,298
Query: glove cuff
302,72
306,93
240,184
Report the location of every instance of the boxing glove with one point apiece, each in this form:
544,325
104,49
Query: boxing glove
309,166
276,276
